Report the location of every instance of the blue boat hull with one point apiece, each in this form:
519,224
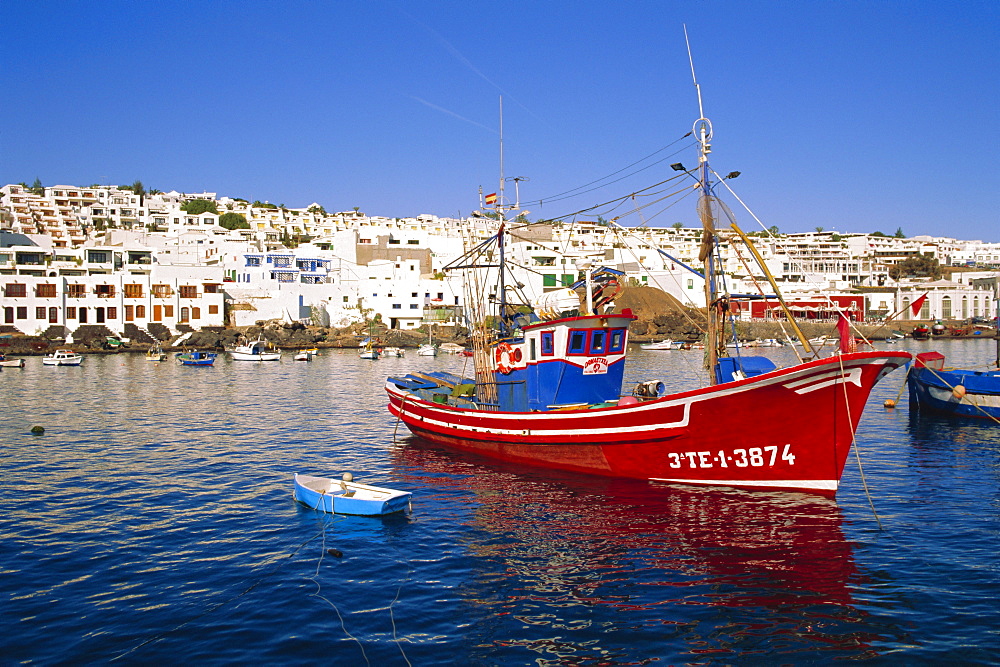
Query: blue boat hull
935,390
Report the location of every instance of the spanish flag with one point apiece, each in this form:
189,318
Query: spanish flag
491,199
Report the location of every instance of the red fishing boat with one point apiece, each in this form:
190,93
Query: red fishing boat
548,384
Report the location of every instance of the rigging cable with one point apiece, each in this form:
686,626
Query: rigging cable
568,194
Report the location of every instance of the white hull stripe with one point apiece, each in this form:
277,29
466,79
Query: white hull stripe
822,484
807,385
540,432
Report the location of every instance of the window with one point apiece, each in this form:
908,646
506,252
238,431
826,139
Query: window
188,291
133,291
598,341
46,291
548,280
22,312
414,306
104,291
112,313
213,310
617,341
140,312
577,342
548,343
413,294
70,312
16,289
195,313
396,306
39,312
98,256
161,291
168,311
568,279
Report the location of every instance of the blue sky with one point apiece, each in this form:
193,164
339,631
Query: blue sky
854,116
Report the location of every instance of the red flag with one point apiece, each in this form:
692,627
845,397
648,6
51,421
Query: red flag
847,342
491,199
915,306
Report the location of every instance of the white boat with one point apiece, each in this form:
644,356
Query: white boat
62,358
258,350
392,351
427,350
348,497
306,355
667,344
10,363
451,348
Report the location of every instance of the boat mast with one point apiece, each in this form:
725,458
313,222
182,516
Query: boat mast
502,288
702,131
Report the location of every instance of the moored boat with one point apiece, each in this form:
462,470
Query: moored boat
962,392
155,353
196,358
548,379
63,358
306,355
666,344
257,350
347,496
10,363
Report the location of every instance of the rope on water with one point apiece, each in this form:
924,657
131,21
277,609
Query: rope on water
854,442
315,580
214,608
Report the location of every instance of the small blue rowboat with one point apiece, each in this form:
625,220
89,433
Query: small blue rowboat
348,497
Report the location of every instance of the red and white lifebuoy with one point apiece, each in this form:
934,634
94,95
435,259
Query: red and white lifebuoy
505,356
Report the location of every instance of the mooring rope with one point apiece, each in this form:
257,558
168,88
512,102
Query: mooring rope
854,442
214,608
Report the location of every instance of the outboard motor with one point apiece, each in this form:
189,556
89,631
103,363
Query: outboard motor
649,389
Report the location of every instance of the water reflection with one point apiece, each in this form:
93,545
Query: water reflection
559,556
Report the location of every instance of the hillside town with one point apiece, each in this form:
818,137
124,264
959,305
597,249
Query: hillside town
129,260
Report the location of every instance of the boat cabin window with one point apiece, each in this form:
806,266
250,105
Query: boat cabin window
598,341
577,342
616,343
548,343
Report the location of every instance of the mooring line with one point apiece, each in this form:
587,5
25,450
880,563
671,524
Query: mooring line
854,442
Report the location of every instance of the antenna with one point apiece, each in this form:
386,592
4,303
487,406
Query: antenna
702,127
500,199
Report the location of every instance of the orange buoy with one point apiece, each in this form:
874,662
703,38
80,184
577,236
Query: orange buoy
958,392
889,403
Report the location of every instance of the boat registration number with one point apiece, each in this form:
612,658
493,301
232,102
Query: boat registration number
755,457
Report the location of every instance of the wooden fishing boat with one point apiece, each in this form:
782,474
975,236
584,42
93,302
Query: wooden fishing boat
63,358
155,353
348,497
10,363
548,379
196,358
950,391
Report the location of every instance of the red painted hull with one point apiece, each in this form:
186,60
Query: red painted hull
788,429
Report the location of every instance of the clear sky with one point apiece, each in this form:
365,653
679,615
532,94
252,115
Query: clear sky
853,116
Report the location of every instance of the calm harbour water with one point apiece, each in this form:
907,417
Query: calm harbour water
153,523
